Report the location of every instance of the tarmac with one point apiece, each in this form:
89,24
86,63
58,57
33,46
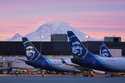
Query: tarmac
60,79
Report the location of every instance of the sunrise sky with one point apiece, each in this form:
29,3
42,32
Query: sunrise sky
98,18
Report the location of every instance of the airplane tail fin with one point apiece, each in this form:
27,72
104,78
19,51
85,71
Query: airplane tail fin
78,49
104,51
31,52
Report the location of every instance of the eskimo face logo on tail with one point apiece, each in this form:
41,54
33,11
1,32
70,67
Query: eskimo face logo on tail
76,48
105,52
30,51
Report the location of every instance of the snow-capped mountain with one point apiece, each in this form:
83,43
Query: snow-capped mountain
44,32
16,37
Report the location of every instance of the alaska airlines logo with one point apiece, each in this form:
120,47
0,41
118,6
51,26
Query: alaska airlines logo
76,48
105,52
30,52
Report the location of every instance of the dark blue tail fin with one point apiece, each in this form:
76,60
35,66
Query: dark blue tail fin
78,49
104,51
32,53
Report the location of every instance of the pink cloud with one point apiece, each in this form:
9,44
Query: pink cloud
103,34
20,26
84,21
96,21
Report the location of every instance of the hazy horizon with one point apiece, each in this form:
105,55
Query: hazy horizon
97,18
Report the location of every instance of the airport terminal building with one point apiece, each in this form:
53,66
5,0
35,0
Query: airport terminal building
57,47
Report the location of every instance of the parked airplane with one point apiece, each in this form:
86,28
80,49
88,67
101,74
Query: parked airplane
83,57
104,51
38,60
5,68
10,69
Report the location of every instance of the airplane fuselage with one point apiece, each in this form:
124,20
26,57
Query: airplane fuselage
114,64
52,65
